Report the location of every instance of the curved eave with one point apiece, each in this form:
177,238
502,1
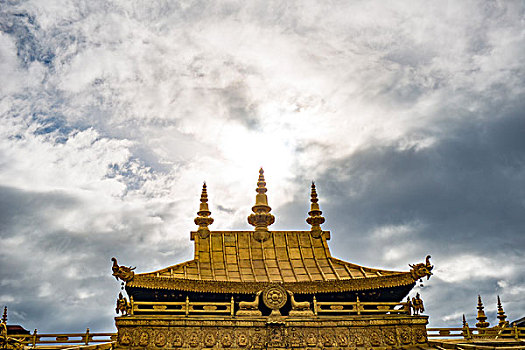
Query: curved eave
309,287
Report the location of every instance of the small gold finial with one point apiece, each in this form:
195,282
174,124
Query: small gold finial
501,315
261,217
203,219
464,321
482,319
315,219
4,316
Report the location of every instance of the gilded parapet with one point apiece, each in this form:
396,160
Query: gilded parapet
203,218
421,270
315,219
124,273
261,217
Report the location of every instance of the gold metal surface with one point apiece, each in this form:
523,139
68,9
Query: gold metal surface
203,219
315,219
417,304
122,272
313,332
234,261
482,319
261,217
123,306
422,269
501,315
7,342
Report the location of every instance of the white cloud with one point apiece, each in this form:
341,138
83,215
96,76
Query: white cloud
470,267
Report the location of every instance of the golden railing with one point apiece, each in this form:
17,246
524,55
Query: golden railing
182,307
360,308
38,339
472,333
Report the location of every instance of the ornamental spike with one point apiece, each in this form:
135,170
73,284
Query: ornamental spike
203,218
4,316
315,219
261,217
501,315
482,319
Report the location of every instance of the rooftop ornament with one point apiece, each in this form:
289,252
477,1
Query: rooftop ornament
421,270
261,217
204,219
482,319
501,315
124,273
315,219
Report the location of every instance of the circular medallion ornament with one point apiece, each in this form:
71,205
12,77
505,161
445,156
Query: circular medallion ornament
274,297
143,338
161,339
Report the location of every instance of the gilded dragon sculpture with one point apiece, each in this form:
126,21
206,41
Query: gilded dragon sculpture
125,273
421,270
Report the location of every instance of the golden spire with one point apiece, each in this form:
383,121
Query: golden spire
465,324
501,315
315,219
203,219
261,217
482,319
4,316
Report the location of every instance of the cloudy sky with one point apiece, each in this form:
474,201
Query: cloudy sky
409,115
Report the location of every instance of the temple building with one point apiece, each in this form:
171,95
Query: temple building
269,289
265,289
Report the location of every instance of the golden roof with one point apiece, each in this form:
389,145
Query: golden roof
234,261
241,261
287,256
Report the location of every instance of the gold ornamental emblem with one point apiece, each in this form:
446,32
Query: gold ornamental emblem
274,297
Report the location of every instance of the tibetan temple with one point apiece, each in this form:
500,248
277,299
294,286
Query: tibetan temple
265,289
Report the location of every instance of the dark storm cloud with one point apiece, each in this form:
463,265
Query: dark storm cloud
469,181
461,195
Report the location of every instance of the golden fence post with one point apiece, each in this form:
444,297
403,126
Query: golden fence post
232,306
86,340
34,338
187,305
315,305
358,306
516,332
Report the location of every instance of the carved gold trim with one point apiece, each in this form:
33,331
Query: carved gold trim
307,287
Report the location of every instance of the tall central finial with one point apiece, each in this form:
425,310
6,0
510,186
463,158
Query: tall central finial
203,219
4,316
261,217
315,219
